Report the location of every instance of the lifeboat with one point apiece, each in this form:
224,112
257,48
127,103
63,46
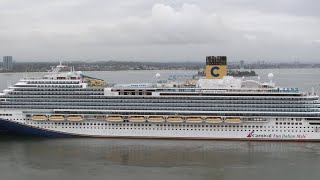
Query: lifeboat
136,119
175,119
156,119
232,120
56,118
114,118
213,120
74,118
39,117
194,120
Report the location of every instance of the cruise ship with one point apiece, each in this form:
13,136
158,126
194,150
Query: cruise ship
67,103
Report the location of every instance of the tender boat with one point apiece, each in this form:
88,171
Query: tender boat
136,119
175,119
39,117
213,120
194,120
56,118
156,119
114,118
232,120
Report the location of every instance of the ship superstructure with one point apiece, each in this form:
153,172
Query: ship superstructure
70,104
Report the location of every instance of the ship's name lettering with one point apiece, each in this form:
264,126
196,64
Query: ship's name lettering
280,136
213,91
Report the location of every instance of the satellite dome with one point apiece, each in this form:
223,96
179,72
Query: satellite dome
158,75
270,75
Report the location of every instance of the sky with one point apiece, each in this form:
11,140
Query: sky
160,30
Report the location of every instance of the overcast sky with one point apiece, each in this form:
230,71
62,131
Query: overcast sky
160,30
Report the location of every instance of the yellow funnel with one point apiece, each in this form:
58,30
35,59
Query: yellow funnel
216,67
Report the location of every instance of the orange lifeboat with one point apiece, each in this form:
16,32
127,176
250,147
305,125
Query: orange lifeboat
232,120
194,120
213,120
74,118
39,117
156,119
114,118
56,118
175,119
136,119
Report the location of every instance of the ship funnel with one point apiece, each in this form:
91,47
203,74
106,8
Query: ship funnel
216,67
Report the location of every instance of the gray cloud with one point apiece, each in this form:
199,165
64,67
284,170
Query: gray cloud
159,30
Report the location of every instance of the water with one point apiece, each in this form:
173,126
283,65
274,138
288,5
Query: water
38,159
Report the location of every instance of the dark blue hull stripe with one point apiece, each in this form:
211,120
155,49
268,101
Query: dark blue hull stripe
13,128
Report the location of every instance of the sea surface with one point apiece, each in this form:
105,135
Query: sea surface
116,159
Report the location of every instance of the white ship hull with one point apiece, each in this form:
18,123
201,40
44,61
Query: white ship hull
19,124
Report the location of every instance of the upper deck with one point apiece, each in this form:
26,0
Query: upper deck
61,82
73,92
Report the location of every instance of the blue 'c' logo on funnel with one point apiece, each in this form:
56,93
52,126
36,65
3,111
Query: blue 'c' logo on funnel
212,71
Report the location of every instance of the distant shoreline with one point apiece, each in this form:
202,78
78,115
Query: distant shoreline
11,72
140,66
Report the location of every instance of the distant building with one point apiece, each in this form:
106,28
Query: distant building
7,63
241,65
